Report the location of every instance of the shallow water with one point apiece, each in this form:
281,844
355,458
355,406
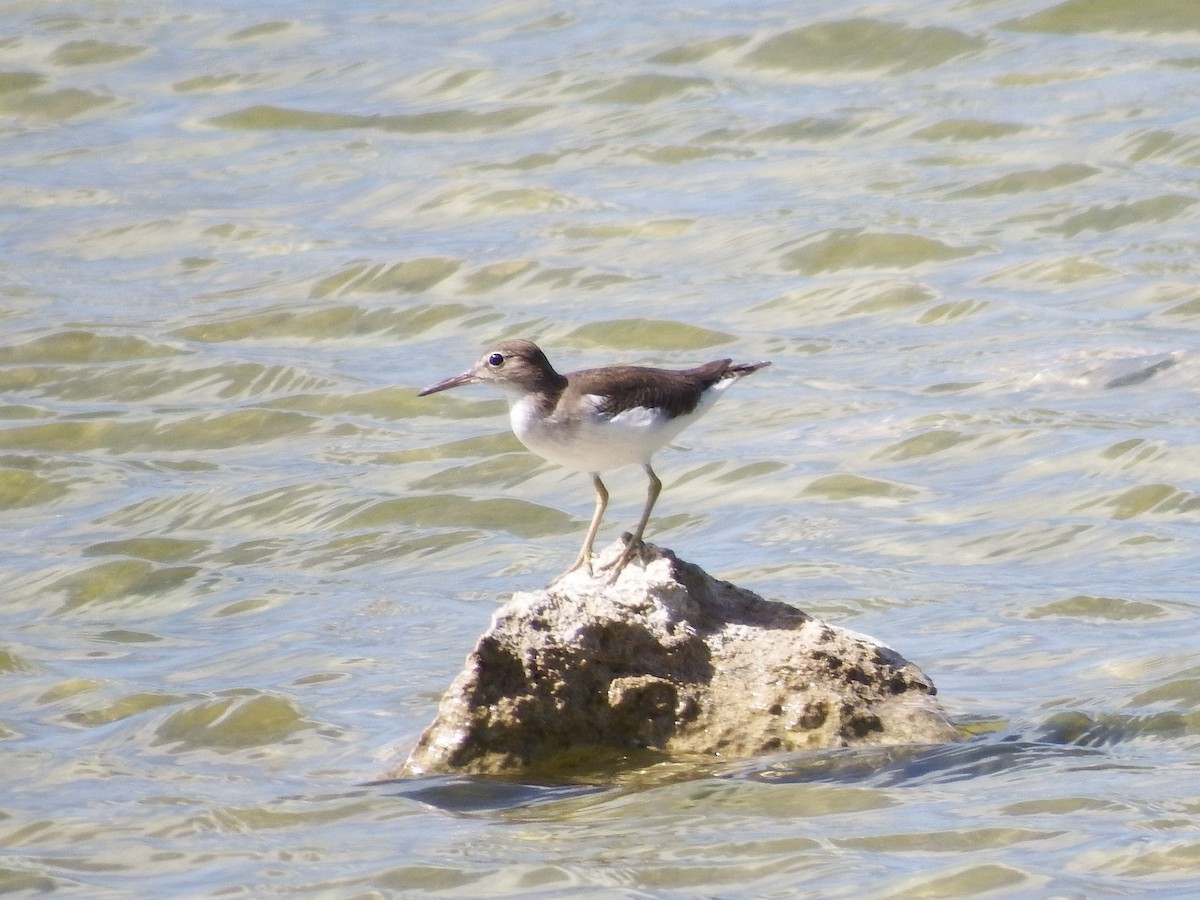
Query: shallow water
242,559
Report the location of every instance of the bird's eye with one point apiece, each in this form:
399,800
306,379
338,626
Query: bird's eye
496,360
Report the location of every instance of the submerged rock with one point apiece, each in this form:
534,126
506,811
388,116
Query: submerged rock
669,659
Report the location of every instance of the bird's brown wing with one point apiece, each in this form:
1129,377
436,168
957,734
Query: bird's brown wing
627,387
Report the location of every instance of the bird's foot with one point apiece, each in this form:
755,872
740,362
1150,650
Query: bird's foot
582,562
633,550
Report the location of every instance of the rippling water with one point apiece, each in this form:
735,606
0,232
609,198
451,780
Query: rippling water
241,558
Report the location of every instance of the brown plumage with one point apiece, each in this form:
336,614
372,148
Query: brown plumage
598,419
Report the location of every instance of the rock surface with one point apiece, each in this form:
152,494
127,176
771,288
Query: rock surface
667,658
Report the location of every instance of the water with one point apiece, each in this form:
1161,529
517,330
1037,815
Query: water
241,558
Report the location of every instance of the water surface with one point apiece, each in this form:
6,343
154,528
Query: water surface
242,559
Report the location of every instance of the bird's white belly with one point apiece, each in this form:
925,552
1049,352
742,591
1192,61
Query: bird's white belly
595,443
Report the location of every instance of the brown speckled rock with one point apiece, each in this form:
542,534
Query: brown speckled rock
668,658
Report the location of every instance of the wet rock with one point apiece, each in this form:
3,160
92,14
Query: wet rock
668,659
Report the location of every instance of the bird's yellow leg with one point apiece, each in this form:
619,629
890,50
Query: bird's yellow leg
634,546
584,559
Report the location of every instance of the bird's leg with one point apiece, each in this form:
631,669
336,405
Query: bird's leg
585,552
584,559
634,546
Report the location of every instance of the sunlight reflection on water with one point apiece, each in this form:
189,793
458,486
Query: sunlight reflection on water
243,558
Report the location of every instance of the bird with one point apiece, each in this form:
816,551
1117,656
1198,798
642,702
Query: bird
596,420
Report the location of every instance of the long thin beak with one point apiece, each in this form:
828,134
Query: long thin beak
456,381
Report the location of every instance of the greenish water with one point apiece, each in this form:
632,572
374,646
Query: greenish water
241,559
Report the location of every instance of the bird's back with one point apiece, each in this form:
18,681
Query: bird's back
675,391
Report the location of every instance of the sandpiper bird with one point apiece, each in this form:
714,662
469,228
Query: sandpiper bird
594,420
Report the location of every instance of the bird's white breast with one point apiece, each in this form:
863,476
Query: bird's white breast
591,441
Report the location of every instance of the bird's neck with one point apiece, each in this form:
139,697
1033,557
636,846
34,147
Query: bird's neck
537,397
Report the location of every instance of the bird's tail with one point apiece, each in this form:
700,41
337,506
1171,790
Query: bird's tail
739,370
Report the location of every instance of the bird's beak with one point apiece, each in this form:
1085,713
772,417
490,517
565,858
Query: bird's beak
456,381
